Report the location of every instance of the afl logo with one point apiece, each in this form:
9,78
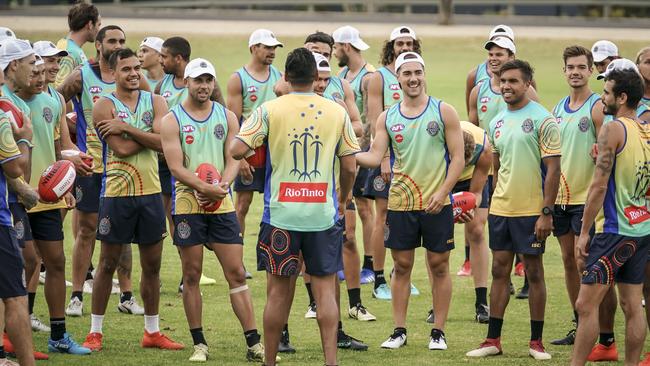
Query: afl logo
95,89
393,87
484,100
396,96
397,128
251,89
147,118
219,132
104,226
253,98
189,139
559,120
378,183
47,114
527,126
583,125
433,128
188,129
399,138
483,108
166,94
184,229
499,123
122,115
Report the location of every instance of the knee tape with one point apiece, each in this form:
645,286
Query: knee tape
239,289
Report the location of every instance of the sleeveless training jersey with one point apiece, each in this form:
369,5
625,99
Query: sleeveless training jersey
8,151
75,57
170,92
578,134
640,111
135,175
152,83
392,93
522,138
93,88
480,137
355,84
646,101
625,210
304,134
482,73
414,179
201,142
334,89
489,104
256,92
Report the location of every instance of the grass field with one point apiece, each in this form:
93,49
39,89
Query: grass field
448,61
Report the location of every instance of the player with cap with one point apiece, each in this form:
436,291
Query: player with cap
526,145
86,84
604,52
617,203
6,33
419,209
130,210
643,64
149,55
301,216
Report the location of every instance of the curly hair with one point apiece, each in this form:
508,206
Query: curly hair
388,53
469,146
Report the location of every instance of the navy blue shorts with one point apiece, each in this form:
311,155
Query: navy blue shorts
359,186
165,178
200,229
618,258
257,185
514,234
464,187
11,265
375,186
138,219
46,225
278,250
87,192
567,218
406,230
21,223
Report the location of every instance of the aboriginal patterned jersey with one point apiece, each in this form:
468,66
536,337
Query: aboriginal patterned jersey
256,92
357,84
480,138
201,142
8,151
482,73
392,93
625,210
304,134
75,57
646,101
578,134
23,107
489,104
93,88
416,178
334,89
135,175
522,138
172,94
641,110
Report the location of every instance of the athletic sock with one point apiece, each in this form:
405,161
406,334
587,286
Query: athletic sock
2,352
89,273
606,339
126,296
152,323
517,259
379,278
367,262
399,331
286,328
78,294
96,323
481,296
354,296
310,293
252,337
466,253
197,336
31,296
494,328
536,329
57,328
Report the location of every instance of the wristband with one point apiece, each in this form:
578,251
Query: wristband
26,142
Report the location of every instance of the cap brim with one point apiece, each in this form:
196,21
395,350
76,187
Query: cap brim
273,44
56,52
196,74
503,43
599,57
601,76
360,45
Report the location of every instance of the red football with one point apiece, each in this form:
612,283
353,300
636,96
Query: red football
209,174
56,180
12,111
258,159
463,202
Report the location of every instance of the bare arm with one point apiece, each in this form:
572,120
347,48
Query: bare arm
472,108
71,86
103,112
217,95
351,107
157,88
25,193
232,165
469,85
532,94
373,157
375,101
348,170
597,116
235,99
481,171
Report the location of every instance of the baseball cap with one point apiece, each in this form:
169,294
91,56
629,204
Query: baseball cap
198,67
503,42
6,33
618,64
402,31
407,57
265,37
39,60
14,49
47,49
321,62
603,49
502,30
155,43
348,34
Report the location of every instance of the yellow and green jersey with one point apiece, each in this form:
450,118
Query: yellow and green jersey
201,142
522,138
480,138
304,134
172,94
641,110
489,104
256,92
391,91
23,107
334,89
135,175
8,151
482,73
625,210
416,178
578,134
75,57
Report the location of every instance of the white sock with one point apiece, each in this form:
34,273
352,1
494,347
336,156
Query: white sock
96,323
152,323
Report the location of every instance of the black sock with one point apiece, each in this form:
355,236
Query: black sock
354,295
180,283
481,296
57,328
517,259
575,317
89,273
340,326
286,328
42,267
2,352
379,278
31,296
466,253
252,337
525,281
494,328
367,262
78,294
536,329
399,331
606,339
310,293
126,296
197,336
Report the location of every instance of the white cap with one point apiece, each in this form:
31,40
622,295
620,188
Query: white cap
6,33
155,43
39,60
502,30
14,49
348,34
198,67
265,37
407,57
603,49
47,49
618,64
321,62
503,42
402,31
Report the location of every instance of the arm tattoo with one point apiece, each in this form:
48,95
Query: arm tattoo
606,158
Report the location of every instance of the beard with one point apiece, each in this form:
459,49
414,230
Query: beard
344,60
106,54
610,110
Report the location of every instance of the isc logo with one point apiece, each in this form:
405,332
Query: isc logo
536,245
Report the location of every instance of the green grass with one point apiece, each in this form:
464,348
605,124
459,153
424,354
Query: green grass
448,61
